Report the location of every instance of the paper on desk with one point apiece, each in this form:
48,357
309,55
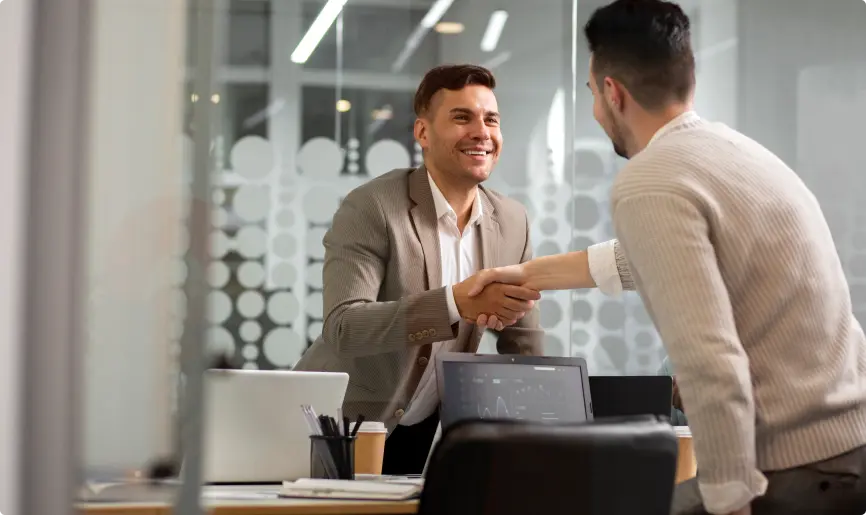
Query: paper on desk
236,495
347,489
416,480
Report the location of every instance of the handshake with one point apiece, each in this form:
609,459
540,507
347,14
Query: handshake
495,298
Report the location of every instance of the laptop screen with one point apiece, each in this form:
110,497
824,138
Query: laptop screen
540,389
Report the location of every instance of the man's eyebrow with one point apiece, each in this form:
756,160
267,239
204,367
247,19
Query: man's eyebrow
463,110
588,86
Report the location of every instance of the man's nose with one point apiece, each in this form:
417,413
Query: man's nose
480,131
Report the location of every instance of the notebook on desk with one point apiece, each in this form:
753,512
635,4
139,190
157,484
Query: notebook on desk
349,490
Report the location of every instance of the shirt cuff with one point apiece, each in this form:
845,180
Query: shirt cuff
453,313
729,497
603,269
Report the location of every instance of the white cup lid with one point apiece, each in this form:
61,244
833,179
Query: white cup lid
680,431
369,426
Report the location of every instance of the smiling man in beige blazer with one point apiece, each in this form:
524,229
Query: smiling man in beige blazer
399,261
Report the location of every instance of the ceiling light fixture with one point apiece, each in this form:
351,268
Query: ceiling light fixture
317,31
449,27
494,30
497,60
436,12
385,113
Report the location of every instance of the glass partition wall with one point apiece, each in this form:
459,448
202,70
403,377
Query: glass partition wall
218,138
312,98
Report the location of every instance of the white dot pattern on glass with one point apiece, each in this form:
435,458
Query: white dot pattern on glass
320,158
280,233
283,347
385,155
251,274
251,202
252,157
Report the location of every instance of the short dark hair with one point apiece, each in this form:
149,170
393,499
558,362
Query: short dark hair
645,45
450,76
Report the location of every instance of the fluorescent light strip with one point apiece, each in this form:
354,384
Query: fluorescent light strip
497,60
437,10
317,30
494,30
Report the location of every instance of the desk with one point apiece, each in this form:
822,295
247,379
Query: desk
263,507
686,468
239,500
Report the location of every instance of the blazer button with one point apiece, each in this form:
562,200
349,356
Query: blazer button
425,333
432,333
422,361
399,413
418,335
411,337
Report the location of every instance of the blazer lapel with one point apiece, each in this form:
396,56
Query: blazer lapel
426,225
489,234
490,238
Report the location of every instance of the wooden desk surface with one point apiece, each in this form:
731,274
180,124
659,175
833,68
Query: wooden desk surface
686,468
262,507
237,500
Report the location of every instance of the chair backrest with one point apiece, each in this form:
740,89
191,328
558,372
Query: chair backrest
507,467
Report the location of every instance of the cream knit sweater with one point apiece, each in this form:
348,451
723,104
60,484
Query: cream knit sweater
736,265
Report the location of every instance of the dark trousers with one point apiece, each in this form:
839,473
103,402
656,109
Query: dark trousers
836,486
407,447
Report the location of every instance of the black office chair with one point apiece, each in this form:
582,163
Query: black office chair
508,467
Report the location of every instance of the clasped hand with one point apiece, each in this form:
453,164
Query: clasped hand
495,298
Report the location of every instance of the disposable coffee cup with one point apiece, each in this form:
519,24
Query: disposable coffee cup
370,447
687,466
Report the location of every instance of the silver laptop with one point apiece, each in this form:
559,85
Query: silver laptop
254,430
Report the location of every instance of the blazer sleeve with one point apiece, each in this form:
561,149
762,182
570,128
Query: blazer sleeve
524,337
357,251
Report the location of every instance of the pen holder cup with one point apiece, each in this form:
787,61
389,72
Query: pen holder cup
332,457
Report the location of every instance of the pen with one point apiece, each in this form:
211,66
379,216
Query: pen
312,425
358,425
325,422
320,447
312,412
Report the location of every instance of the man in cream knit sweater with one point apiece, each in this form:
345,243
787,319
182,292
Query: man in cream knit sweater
735,263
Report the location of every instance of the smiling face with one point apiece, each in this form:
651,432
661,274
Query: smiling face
460,134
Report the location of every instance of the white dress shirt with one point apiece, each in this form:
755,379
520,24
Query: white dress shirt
460,255
602,268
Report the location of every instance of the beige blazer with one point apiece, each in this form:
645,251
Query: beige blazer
384,301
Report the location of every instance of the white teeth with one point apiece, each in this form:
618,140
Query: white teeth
475,152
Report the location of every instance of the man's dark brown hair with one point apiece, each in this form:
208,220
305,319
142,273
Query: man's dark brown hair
450,76
645,45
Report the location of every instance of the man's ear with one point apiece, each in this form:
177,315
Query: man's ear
614,93
420,131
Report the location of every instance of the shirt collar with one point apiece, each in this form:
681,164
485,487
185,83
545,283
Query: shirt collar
443,208
682,119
